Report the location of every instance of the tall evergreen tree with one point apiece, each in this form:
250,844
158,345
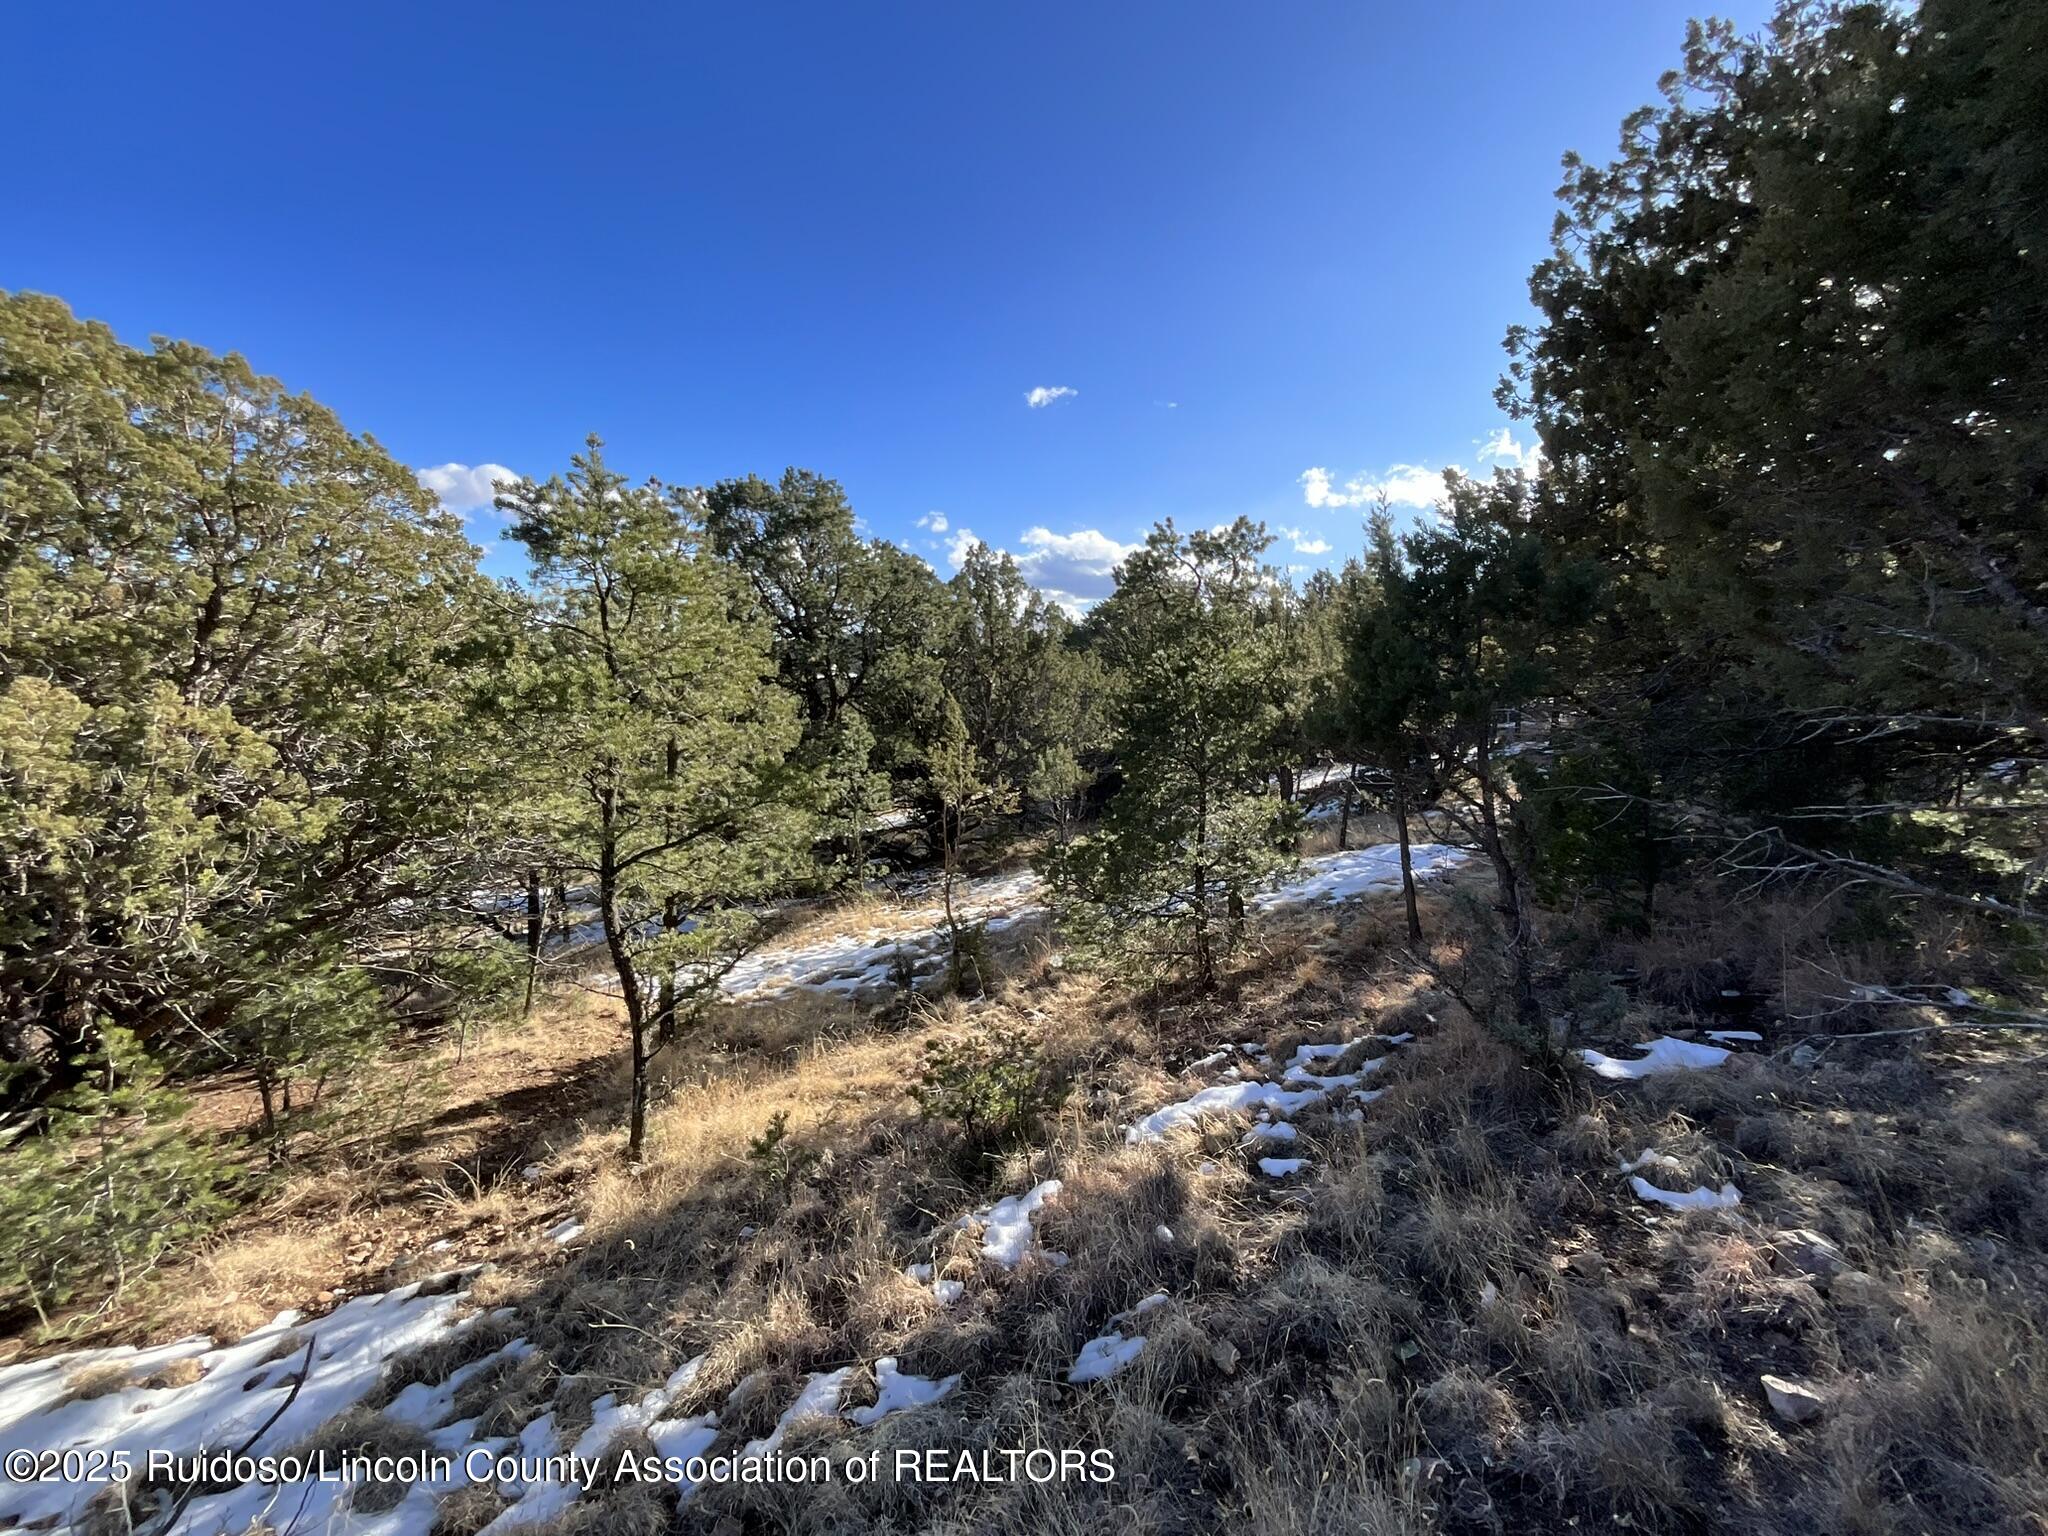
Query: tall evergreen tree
237,654
655,740
1192,835
1788,381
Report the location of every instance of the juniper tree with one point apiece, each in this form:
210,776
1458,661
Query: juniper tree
1788,379
854,622
1027,694
655,739
237,652
1191,836
1469,610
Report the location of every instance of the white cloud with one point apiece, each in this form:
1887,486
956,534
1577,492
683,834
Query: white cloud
958,546
1076,570
1304,542
465,487
1405,485
936,521
1502,449
1073,567
1043,395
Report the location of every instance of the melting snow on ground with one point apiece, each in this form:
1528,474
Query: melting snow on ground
1664,1054
819,1399
1701,1199
867,960
1340,876
895,1392
1104,1357
1007,1230
239,1387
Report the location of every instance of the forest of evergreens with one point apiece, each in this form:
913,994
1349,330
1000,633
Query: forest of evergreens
284,777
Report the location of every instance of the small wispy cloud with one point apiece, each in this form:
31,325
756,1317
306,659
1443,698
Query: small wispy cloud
466,488
1045,394
1306,543
1503,449
935,521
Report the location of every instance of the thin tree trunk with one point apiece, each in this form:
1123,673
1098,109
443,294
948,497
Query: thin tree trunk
629,981
671,922
1511,901
1344,818
534,914
1205,968
1407,866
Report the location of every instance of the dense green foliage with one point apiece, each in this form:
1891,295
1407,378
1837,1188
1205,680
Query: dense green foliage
1191,836
1790,384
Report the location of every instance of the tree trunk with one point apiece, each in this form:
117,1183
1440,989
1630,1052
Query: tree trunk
629,981
534,915
1407,867
1512,902
266,1090
671,921
1285,774
1344,818
665,999
1205,967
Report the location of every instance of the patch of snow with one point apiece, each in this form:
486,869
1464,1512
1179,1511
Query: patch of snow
1735,1036
1281,1167
1701,1199
895,1392
1104,1357
1007,1233
948,1291
1648,1159
819,1399
1222,1099
1163,1232
1279,1130
1358,872
239,1387
567,1230
1663,1054
530,1173
1151,1303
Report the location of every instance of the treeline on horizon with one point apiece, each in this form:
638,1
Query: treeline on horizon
1782,585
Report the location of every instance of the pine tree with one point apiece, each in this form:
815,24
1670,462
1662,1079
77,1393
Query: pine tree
967,797
1191,836
656,740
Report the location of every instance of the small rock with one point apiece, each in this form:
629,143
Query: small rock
1809,1254
1804,1057
1793,1401
1588,1263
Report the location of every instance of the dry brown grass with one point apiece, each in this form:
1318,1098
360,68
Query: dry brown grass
1463,1323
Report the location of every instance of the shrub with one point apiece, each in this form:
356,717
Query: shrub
109,1189
998,1091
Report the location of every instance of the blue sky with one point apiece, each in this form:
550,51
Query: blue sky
1249,240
